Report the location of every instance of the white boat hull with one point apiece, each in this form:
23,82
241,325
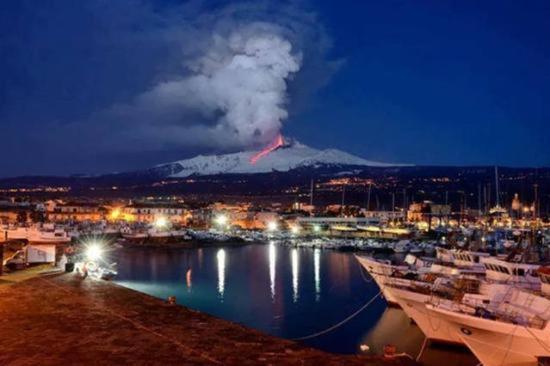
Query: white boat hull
434,328
386,291
497,343
377,271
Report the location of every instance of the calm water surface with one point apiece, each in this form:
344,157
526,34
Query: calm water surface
283,291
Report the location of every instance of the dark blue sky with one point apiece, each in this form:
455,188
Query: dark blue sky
435,82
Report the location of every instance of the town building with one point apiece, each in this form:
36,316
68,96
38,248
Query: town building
75,211
175,213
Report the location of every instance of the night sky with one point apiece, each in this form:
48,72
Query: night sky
98,86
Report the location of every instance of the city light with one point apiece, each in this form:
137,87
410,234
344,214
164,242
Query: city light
221,220
94,252
271,226
161,222
295,229
115,214
128,217
316,228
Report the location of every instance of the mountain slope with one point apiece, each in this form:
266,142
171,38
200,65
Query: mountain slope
283,159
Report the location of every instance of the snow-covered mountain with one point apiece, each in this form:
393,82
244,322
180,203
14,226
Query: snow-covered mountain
285,158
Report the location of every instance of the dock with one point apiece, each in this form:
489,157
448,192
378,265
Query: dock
60,318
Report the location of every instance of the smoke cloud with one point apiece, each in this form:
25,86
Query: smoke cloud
239,86
159,82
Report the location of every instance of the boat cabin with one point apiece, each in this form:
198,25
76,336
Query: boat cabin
511,272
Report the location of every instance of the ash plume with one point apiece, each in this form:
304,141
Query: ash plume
239,86
204,79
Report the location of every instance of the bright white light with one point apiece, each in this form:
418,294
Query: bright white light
295,229
271,226
316,228
221,220
161,222
94,252
295,271
220,256
317,272
272,263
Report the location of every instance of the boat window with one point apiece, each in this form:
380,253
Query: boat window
521,272
504,270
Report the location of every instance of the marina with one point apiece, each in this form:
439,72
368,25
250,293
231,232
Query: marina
297,182
297,292
445,292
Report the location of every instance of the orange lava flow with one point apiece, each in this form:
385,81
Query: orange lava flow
269,148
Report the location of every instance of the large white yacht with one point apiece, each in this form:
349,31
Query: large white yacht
508,326
469,273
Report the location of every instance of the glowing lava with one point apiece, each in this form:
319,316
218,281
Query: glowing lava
278,142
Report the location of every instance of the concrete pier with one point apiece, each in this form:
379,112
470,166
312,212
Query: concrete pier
62,319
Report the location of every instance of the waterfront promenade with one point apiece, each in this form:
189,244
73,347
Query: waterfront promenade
60,319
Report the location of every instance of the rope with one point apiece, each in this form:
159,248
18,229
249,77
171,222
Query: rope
331,328
424,344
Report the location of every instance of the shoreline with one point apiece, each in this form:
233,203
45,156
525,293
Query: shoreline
190,244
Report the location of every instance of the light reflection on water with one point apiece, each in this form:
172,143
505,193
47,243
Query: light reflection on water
317,270
272,268
295,274
220,256
287,292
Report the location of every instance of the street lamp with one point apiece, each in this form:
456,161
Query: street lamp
94,252
271,226
221,220
161,222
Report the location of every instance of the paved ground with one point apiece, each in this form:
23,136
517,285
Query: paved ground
64,320
10,278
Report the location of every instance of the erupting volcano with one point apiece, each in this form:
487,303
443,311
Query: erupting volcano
281,155
274,145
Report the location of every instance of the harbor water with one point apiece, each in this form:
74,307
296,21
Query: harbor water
287,292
